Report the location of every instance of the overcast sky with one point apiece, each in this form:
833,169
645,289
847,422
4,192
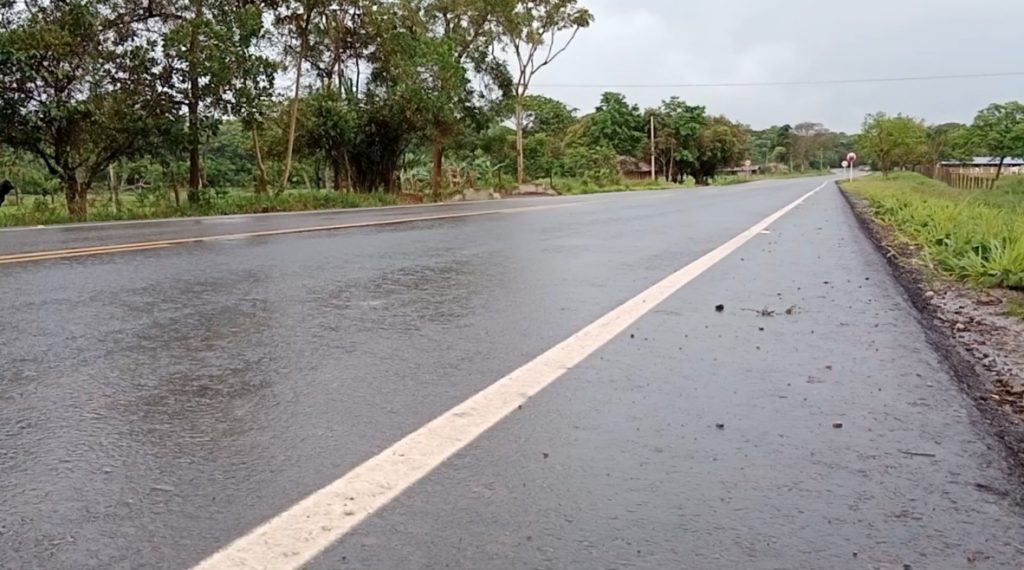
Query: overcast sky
729,41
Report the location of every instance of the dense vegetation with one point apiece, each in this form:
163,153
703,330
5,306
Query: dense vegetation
180,107
975,236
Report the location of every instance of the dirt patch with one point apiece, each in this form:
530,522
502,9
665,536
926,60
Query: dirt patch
970,327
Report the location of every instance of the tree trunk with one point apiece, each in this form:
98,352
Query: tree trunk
77,197
194,173
520,161
115,198
261,168
348,173
337,180
999,169
294,113
435,178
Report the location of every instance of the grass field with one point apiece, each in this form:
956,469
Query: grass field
974,236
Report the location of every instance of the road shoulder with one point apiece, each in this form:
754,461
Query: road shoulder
984,348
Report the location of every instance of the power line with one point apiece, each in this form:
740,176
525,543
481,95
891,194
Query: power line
788,83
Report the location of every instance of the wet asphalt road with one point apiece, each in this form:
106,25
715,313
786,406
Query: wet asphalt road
155,405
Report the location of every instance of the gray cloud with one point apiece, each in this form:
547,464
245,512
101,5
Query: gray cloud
729,41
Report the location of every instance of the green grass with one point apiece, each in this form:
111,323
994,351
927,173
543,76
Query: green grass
38,210
974,236
575,186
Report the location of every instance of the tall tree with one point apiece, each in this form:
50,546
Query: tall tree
998,130
721,143
204,44
892,141
942,140
617,125
532,28
771,145
341,39
678,126
807,140
295,18
210,50
80,89
330,126
475,79
544,115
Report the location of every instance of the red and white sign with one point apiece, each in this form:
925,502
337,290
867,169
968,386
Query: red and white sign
852,158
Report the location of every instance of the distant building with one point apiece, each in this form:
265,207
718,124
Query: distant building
985,165
633,169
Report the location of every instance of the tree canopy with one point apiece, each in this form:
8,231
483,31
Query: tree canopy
893,141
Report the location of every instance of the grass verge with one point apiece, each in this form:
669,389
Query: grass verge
574,186
973,236
37,210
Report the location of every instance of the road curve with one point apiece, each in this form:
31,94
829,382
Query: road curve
157,405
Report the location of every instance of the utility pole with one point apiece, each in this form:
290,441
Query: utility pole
654,171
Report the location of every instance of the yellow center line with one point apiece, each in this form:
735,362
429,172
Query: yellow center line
142,246
79,254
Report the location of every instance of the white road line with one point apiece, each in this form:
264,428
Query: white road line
296,536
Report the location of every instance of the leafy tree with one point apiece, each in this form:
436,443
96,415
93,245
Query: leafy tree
892,141
998,131
466,31
252,85
543,153
329,126
594,164
80,90
546,115
226,163
721,143
809,141
943,141
531,28
296,18
617,125
678,127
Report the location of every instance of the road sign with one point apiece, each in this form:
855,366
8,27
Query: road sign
747,163
851,159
